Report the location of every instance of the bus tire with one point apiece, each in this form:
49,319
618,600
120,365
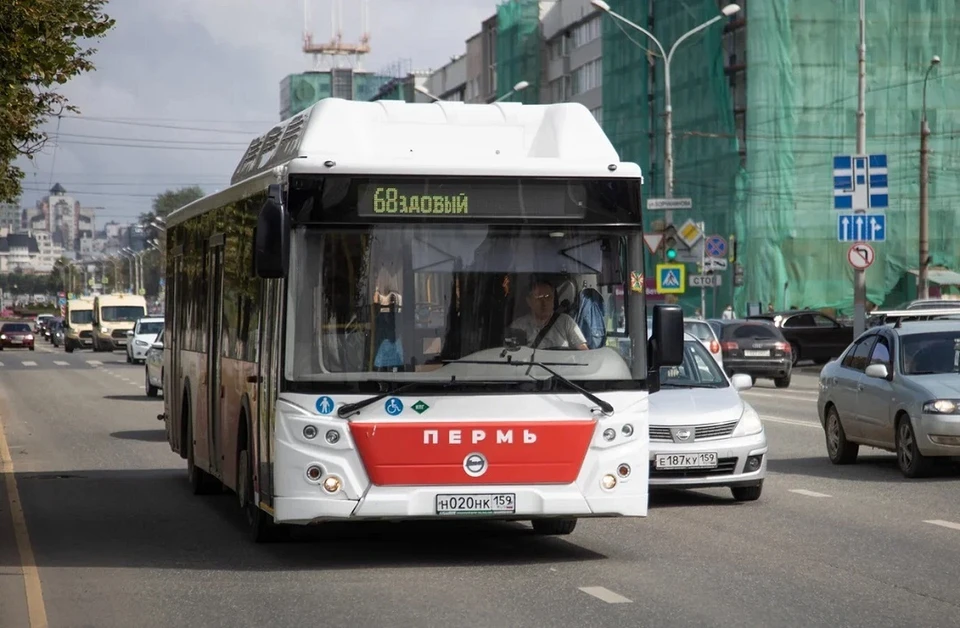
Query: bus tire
200,481
260,525
553,527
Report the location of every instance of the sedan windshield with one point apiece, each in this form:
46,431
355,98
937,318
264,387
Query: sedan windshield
699,370
398,302
930,353
150,328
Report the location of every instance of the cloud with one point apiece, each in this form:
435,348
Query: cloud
213,66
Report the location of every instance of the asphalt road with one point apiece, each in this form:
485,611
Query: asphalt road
116,538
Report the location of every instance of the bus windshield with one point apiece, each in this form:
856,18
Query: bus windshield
398,301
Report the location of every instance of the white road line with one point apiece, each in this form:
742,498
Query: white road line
29,363
944,524
94,363
61,363
777,419
608,596
796,396
801,491
1,363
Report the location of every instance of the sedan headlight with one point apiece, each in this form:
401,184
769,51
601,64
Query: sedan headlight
942,406
141,343
750,423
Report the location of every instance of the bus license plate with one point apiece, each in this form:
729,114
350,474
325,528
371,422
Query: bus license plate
687,461
483,504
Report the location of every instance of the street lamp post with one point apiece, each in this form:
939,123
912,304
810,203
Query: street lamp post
923,285
726,11
519,87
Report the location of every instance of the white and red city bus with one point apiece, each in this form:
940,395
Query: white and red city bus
402,311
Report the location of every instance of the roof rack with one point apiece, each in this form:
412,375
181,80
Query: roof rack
918,314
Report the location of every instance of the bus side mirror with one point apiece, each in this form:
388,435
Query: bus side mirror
272,239
665,347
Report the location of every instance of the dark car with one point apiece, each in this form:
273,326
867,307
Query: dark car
811,334
16,336
755,348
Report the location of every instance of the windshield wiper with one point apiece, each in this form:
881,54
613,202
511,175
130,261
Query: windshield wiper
604,406
350,409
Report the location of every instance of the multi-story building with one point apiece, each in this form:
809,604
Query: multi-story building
10,217
60,214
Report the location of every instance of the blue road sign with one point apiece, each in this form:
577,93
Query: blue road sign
393,406
862,228
716,246
860,182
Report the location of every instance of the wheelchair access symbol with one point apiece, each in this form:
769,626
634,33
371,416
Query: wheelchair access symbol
393,406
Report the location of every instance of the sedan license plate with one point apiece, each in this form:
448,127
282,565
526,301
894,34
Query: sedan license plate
757,354
483,504
16,342
686,461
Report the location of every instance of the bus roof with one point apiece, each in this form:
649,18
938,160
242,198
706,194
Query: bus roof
392,137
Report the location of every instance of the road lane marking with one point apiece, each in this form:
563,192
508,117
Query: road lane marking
94,362
29,363
36,610
785,421
1,363
944,524
793,395
802,491
608,596
61,363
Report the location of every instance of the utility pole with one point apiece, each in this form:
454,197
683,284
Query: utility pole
923,285
859,278
703,269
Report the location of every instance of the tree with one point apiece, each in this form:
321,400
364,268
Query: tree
42,46
166,203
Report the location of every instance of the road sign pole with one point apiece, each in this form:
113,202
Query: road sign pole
859,278
703,270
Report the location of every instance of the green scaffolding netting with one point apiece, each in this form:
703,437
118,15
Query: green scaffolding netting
801,111
705,150
518,49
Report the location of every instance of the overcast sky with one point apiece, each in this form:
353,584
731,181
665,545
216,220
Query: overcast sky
172,68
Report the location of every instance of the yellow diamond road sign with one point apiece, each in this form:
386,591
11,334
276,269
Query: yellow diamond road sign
689,233
671,278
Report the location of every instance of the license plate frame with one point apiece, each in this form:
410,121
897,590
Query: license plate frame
475,504
705,460
756,353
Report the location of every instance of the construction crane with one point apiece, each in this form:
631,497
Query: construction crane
336,49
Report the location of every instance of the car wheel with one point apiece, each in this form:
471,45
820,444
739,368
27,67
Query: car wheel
839,449
794,353
912,463
782,382
747,493
152,390
553,527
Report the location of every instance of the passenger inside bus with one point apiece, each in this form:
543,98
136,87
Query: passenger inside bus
545,326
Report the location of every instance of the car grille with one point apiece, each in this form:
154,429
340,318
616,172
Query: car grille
86,334
725,466
703,432
119,333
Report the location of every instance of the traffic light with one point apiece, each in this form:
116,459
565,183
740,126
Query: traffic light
670,249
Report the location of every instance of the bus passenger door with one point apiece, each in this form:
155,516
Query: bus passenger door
215,329
271,326
173,340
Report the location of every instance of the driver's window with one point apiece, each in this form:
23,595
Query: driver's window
881,354
822,321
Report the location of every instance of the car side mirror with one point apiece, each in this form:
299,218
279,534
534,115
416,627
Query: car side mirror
878,371
514,338
272,238
741,381
157,345
130,334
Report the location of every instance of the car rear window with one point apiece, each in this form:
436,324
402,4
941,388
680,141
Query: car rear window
16,327
751,330
699,329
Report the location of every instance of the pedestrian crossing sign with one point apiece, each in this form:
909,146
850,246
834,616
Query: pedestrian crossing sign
671,278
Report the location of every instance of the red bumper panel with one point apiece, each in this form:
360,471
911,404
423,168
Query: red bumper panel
515,452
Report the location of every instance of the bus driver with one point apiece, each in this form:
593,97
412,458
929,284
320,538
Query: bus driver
561,330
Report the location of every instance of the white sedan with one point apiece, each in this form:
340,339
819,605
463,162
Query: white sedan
141,337
702,433
153,375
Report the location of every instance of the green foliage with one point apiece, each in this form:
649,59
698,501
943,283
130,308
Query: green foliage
42,46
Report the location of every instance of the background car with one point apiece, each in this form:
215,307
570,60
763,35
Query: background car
811,334
153,369
16,336
702,432
703,332
139,339
897,387
754,347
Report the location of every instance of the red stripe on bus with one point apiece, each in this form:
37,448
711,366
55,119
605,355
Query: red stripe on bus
514,452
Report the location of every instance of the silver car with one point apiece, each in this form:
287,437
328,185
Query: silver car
897,387
702,433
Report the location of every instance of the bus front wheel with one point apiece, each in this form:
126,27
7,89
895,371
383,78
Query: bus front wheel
260,525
